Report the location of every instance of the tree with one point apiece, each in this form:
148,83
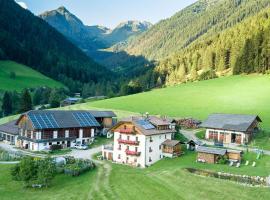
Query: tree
26,101
54,99
7,104
27,170
46,171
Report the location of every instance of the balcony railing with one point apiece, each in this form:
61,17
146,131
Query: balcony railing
120,141
127,131
133,153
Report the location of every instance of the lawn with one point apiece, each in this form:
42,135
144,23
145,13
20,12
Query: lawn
201,134
167,179
25,77
100,141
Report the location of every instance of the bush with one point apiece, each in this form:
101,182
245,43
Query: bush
223,160
9,156
34,172
209,74
79,167
55,147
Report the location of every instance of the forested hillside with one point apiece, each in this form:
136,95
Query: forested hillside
244,48
203,18
29,40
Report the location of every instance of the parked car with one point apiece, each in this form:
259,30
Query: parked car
81,146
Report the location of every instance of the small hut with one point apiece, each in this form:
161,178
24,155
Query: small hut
171,148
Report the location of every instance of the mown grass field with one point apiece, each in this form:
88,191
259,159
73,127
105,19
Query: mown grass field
25,77
167,179
235,94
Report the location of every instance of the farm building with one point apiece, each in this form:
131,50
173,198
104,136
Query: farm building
39,130
9,132
142,141
212,155
231,128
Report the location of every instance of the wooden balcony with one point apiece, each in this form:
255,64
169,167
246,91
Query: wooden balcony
129,142
133,153
127,131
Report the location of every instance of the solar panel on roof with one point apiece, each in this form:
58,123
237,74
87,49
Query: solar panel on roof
42,121
145,124
85,119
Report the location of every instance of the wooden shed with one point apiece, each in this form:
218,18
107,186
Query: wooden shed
171,148
234,155
209,155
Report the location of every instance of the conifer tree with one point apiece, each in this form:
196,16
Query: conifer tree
7,104
26,101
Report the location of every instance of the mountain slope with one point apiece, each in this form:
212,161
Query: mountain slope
29,40
243,48
25,77
205,17
90,38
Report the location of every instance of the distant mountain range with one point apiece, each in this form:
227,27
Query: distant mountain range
29,40
91,38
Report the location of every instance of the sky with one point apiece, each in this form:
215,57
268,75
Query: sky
110,13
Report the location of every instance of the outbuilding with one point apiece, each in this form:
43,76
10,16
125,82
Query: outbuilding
9,132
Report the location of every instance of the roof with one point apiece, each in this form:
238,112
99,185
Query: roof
234,151
10,128
171,143
102,114
147,126
211,150
51,119
233,122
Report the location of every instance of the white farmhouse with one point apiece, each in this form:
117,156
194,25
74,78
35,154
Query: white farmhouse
142,141
231,128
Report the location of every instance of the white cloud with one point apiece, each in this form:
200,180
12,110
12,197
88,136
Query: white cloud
22,4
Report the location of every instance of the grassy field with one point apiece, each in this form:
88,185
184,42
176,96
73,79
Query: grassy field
235,94
25,77
165,180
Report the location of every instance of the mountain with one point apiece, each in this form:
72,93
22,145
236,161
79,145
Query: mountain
29,40
243,48
125,30
85,37
203,18
91,38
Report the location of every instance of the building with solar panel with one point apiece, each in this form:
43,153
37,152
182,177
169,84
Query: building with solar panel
39,130
142,141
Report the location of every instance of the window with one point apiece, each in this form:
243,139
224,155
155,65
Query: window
127,147
63,142
128,137
160,156
150,159
136,149
151,140
165,136
125,127
137,139
135,160
150,149
159,147
120,136
50,143
44,144
119,156
119,147
58,143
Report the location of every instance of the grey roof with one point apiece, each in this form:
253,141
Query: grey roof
211,150
233,122
148,132
10,128
171,143
67,118
102,114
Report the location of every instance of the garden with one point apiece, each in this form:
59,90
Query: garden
9,156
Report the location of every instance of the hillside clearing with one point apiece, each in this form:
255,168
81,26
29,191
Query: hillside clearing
25,77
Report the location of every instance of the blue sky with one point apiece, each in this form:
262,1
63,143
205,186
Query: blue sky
111,12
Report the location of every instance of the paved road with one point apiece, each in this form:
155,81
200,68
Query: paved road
191,135
84,154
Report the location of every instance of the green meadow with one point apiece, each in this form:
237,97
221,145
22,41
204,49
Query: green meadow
166,179
235,94
25,77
